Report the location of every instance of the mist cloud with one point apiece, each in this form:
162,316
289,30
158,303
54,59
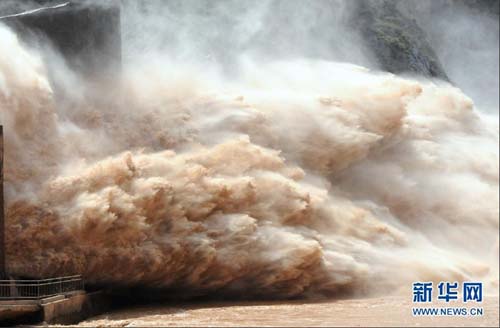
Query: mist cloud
293,176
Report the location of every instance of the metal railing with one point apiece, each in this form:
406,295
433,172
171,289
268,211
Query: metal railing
37,289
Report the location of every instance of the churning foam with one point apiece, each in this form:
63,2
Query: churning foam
299,178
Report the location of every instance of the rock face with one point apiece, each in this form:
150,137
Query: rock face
399,44
87,35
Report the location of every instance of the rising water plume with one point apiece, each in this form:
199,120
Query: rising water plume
297,178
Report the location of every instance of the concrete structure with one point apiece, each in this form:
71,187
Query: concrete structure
69,308
11,311
87,34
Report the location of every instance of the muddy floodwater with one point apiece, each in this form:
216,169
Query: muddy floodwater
387,311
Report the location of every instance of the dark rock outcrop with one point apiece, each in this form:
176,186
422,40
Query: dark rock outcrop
399,44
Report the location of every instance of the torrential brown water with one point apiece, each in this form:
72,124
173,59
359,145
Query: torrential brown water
381,312
299,178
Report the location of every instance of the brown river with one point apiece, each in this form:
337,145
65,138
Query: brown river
386,311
